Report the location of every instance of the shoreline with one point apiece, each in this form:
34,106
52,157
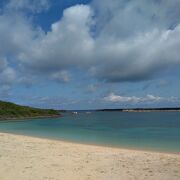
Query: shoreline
93,144
25,157
29,118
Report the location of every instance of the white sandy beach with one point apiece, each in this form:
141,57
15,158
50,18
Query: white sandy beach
28,158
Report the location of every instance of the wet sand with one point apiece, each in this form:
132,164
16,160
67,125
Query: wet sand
29,158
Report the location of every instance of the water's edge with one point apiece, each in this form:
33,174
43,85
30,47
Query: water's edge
94,144
157,132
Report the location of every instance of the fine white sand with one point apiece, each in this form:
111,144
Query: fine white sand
28,158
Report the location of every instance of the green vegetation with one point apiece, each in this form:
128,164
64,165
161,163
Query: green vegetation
13,111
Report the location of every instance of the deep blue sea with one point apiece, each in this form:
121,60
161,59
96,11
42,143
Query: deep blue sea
158,131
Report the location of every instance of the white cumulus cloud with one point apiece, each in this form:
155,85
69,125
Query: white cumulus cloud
136,100
113,41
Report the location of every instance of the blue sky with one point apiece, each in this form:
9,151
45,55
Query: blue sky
89,54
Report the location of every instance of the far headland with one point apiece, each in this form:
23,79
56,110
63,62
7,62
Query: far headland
175,109
11,111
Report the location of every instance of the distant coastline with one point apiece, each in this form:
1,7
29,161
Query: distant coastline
143,110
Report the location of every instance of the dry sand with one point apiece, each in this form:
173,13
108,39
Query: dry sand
28,158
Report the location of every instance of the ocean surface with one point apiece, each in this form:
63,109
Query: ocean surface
158,131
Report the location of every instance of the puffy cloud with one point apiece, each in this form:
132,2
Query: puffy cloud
33,6
115,51
124,19
113,41
7,74
135,39
139,58
17,34
7,79
62,76
68,43
135,100
115,98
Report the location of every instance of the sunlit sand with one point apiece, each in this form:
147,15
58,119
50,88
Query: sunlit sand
25,158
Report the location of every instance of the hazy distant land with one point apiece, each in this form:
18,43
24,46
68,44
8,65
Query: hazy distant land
144,110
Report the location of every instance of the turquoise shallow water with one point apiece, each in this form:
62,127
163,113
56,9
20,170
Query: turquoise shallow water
159,131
